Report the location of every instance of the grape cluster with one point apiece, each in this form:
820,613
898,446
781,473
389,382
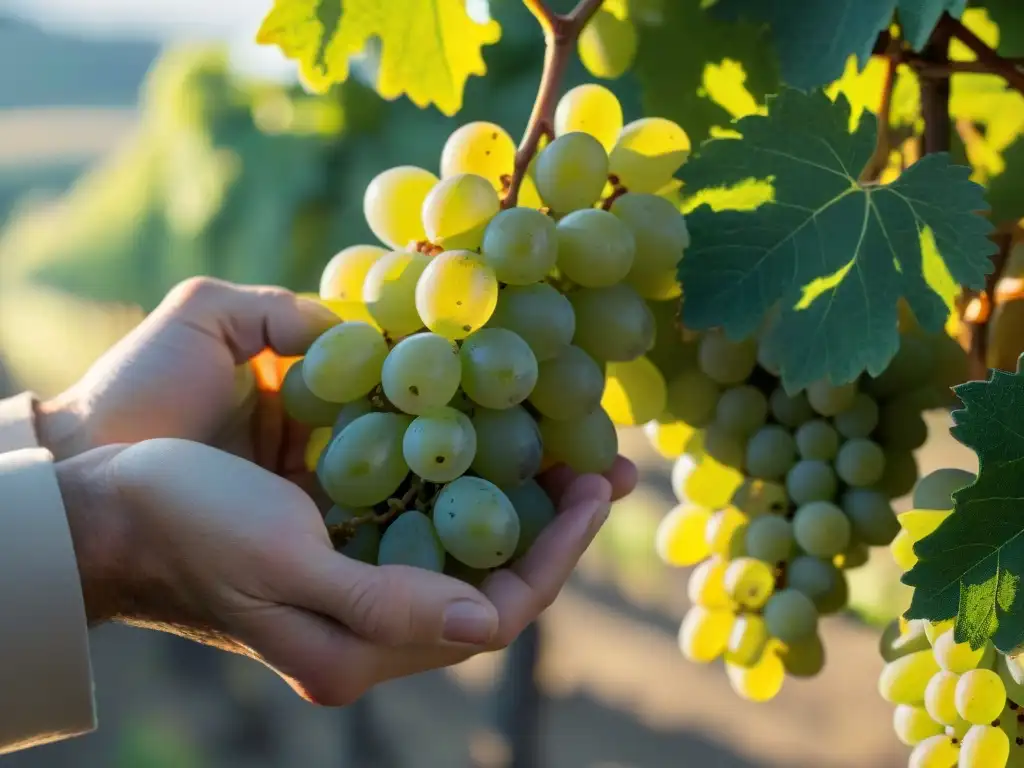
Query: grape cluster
779,492
476,338
954,705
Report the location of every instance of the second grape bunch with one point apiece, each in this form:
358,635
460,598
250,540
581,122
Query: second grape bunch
478,332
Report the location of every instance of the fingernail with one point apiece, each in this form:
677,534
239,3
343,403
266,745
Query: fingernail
466,621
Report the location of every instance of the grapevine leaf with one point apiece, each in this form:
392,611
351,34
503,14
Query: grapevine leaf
971,566
1009,15
428,48
919,17
832,255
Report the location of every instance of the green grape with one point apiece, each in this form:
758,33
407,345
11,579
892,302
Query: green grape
817,439
742,410
571,172
344,275
498,368
302,405
568,386
760,497
771,452
521,246
913,725
856,554
364,464
706,586
476,522
536,511
829,399
983,747
612,324
595,249
345,363
692,398
901,426
980,696
350,412
480,148
821,529
871,516
956,657
935,490
539,314
860,462
805,658
790,410
725,526
791,616
592,109
412,540
904,681
747,640
422,373
899,475
770,538
940,698
895,642
820,580
440,446
811,480
389,291
607,45
749,582
587,446
704,634
457,211
935,752
759,683
659,231
680,540
912,367
364,543
723,446
456,294
392,205
648,153
860,419
634,392
727,362
508,446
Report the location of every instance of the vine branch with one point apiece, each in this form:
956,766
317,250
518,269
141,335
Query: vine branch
987,57
883,143
560,35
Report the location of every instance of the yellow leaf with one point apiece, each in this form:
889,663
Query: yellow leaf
428,48
918,523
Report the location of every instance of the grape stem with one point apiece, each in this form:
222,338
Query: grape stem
560,35
342,532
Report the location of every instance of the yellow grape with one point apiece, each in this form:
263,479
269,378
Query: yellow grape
392,204
592,109
935,752
704,634
343,277
934,629
984,747
980,696
761,682
912,725
904,681
669,438
680,539
482,148
749,582
956,657
658,285
712,483
607,45
902,550
318,441
457,211
634,392
747,641
456,294
706,586
647,154
940,697
389,291
722,527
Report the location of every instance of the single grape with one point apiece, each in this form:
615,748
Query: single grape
692,397
508,446
302,405
935,752
856,554
343,277
771,452
568,386
538,313
821,529
536,511
759,683
659,231
770,538
901,426
456,294
742,410
457,211
723,446
980,696
440,446
817,439
934,629
791,616
412,540
749,582
364,543
571,172
900,474
680,540
747,640
607,45
871,516
706,586
316,447
592,109
860,419
481,148
648,153
984,746
904,681
364,464
913,725
790,410
634,392
805,658
521,246
476,522
350,412
389,291
657,286
498,368
820,580
422,373
587,446
935,490
612,324
392,205
760,497
727,362
595,249
345,362
940,698
830,400
704,634
860,462
912,367
811,480
725,526
956,657
897,641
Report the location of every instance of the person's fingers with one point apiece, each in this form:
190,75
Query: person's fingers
622,476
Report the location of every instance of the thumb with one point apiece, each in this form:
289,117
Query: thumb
395,604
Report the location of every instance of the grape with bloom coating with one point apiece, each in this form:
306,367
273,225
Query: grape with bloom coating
389,291
364,543
607,45
457,211
536,511
480,148
747,640
820,580
571,172
364,464
830,400
613,323
508,446
860,419
538,313
727,362
771,451
821,529
350,412
456,294
980,696
706,586
345,362
805,658
817,439
692,398
749,582
412,540
860,462
595,249
421,373
761,682
680,538
440,445
521,246
704,634
302,405
871,515
392,204
935,490
476,522
742,410
568,386
913,725
648,153
791,616
634,392
587,445
590,108
791,410
498,368
659,230
770,538
343,277
760,497
811,480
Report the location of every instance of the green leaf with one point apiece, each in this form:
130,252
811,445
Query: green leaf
834,257
970,567
919,17
1009,15
428,48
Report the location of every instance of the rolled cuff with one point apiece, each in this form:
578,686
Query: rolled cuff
17,423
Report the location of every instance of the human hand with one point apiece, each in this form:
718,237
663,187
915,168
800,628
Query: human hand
177,536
